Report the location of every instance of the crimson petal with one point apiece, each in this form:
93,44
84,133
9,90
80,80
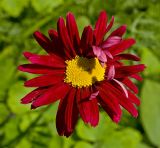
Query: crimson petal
86,39
119,32
47,60
73,31
88,109
51,95
110,24
123,45
64,36
100,27
127,57
32,95
110,104
43,41
67,114
130,85
125,102
45,80
39,69
125,71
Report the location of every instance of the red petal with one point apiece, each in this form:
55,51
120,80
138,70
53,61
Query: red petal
73,30
32,95
45,60
39,69
51,95
127,57
43,41
27,54
67,114
123,45
110,104
134,99
110,24
57,46
100,27
88,109
52,33
86,39
130,85
125,71
137,77
45,80
119,32
63,34
125,102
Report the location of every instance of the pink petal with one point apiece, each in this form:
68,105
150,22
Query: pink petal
94,95
99,53
111,41
108,53
111,72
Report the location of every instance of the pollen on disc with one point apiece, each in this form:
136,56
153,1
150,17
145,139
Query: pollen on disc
83,72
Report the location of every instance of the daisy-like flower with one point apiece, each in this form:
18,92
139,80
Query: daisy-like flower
83,73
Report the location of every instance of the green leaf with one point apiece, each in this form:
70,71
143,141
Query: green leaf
7,69
24,143
150,109
82,21
3,113
16,92
105,126
10,129
14,7
149,59
122,139
45,6
83,144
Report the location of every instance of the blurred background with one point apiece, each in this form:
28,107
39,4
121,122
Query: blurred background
21,127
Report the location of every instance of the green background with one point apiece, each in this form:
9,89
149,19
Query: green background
21,127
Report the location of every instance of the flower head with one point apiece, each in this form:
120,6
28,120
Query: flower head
83,73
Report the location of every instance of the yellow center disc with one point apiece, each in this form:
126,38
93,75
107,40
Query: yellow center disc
83,72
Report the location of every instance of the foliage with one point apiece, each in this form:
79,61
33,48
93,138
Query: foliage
22,127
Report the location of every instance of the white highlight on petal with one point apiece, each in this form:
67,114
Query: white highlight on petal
122,86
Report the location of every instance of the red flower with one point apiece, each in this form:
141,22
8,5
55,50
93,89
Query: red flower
83,73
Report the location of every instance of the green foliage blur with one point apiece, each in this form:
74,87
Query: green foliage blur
21,127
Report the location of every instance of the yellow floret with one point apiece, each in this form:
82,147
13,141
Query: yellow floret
83,72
